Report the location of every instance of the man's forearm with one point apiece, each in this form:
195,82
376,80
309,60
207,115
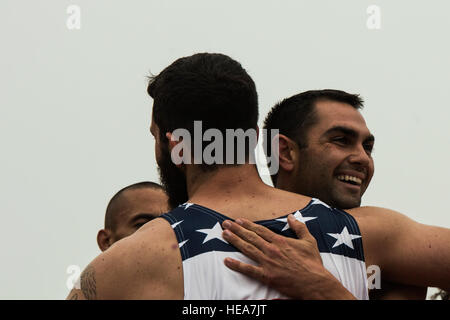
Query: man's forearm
329,288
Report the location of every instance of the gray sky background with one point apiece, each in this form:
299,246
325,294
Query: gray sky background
75,114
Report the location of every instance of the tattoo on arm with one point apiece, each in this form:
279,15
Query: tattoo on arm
88,284
74,297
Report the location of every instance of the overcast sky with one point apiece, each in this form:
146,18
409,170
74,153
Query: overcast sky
75,113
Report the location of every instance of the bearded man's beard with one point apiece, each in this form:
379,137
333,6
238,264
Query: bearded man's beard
172,179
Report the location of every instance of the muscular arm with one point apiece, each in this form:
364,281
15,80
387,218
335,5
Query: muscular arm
141,266
395,291
406,251
109,267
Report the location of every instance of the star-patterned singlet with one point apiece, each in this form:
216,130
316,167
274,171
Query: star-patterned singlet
199,233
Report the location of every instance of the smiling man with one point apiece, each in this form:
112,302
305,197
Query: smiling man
325,152
324,147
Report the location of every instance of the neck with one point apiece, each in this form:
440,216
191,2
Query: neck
284,183
224,180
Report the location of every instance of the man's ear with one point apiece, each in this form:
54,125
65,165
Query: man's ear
172,142
287,153
181,155
104,239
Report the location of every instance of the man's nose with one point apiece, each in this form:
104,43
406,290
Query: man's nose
359,156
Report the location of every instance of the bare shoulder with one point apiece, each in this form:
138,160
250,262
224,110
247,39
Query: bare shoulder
145,265
381,225
374,218
380,229
154,241
407,251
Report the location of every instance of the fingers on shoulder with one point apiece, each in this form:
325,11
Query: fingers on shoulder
300,229
255,272
259,230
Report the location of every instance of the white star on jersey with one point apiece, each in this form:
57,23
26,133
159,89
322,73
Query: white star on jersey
182,243
213,233
298,216
175,224
187,205
344,238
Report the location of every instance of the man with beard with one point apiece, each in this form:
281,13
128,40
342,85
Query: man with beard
129,209
325,152
180,254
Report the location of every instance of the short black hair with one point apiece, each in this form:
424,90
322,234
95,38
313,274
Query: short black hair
293,116
210,87
111,209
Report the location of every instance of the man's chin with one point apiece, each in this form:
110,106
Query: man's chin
345,196
346,202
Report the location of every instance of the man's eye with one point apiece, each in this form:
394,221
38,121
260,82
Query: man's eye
138,225
368,148
342,140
